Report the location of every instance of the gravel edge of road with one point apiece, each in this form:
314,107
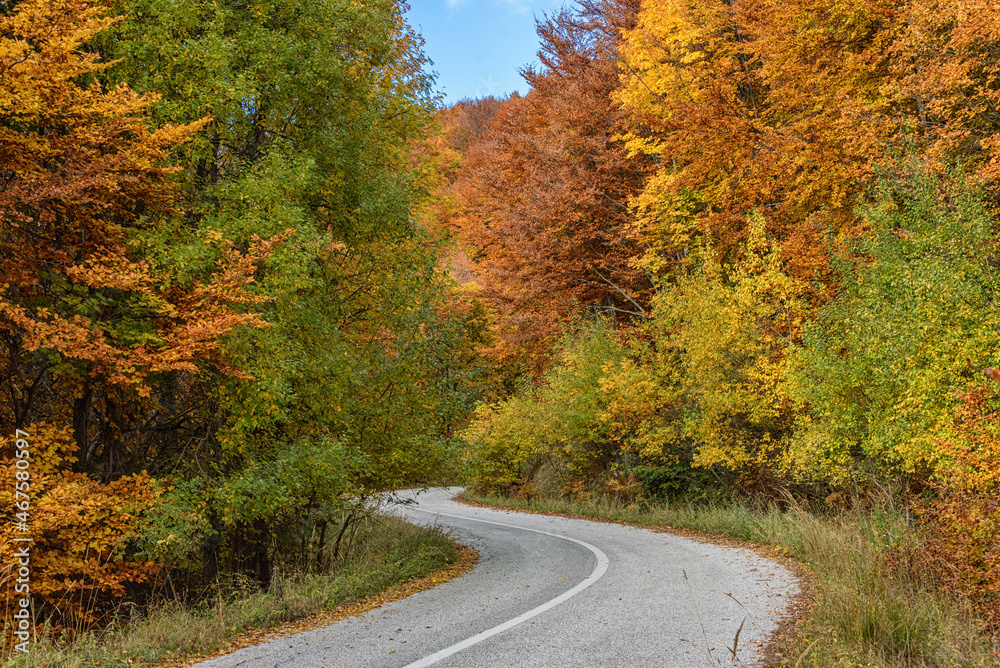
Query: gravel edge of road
781,642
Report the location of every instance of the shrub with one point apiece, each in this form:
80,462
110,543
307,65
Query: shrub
81,558
961,523
880,364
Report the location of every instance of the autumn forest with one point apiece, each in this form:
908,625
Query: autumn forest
253,274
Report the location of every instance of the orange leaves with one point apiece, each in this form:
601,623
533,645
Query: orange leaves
82,168
39,40
172,328
545,191
236,271
787,107
756,106
99,139
79,163
976,454
80,529
948,73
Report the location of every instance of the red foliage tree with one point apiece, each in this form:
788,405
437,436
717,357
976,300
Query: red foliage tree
546,191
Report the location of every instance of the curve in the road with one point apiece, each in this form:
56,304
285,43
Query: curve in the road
667,602
602,566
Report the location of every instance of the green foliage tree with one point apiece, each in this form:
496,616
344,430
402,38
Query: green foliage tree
314,106
916,316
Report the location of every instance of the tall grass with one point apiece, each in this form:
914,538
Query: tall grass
867,611
387,552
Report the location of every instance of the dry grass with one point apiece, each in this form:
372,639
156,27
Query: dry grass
866,612
389,551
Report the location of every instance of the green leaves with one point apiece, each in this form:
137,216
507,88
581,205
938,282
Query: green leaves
312,106
256,313
880,366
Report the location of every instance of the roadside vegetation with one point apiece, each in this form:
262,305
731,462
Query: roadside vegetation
223,328
724,257
872,603
382,552
748,252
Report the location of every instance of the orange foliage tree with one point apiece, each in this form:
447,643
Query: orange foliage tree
765,106
83,316
90,326
546,190
947,71
787,107
80,531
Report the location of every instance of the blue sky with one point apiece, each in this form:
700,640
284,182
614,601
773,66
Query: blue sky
478,45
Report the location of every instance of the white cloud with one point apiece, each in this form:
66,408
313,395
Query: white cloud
519,6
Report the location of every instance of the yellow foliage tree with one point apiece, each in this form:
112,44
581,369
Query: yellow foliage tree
733,325
79,531
767,106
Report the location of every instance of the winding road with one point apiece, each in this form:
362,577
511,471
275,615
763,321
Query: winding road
551,591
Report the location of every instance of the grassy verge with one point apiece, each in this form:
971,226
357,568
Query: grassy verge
865,612
387,552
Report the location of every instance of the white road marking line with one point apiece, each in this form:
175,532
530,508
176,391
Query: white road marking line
595,575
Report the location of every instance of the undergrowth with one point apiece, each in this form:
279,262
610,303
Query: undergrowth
868,611
387,551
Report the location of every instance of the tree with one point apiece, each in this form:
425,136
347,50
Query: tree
81,530
772,107
946,70
315,109
89,327
879,366
83,315
547,188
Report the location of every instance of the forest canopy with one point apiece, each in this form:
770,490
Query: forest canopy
746,249
221,323
255,274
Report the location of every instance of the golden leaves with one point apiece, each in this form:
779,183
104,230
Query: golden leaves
83,167
79,527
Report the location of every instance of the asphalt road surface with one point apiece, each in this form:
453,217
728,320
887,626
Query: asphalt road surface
551,591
